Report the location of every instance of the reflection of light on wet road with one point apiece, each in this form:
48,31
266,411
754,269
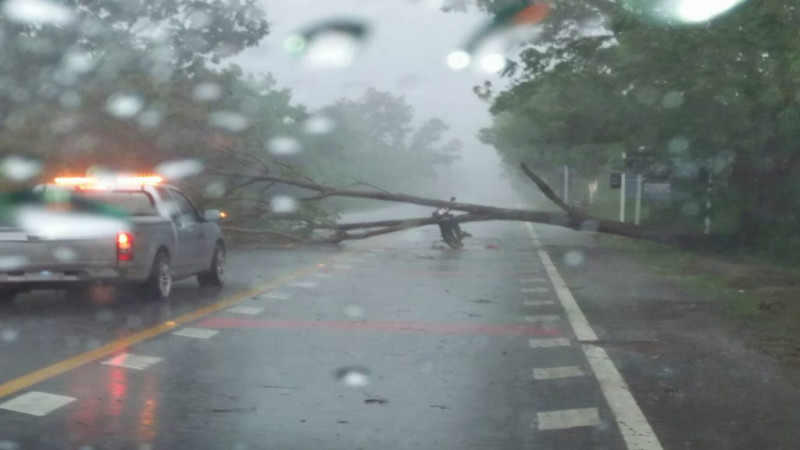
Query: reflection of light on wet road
117,387
148,417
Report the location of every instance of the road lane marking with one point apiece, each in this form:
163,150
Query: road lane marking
322,275
32,378
249,310
549,342
569,418
197,333
543,318
304,284
532,280
133,361
36,403
554,373
538,302
275,296
220,322
537,290
633,425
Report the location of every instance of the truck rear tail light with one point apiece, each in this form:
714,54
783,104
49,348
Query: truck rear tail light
124,246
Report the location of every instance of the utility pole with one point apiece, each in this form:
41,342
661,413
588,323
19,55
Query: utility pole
622,191
637,215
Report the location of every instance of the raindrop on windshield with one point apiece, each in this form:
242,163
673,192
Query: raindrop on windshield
175,170
12,262
493,63
17,168
458,60
65,254
77,62
283,204
354,311
353,376
318,124
678,145
207,92
672,100
229,120
574,258
37,12
9,335
329,44
70,100
283,145
690,208
104,315
9,445
124,105
215,189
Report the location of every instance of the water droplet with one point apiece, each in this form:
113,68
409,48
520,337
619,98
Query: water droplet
9,445
134,322
65,254
330,44
70,100
207,92
230,120
199,19
354,311
124,106
92,344
696,11
283,145
574,258
17,168
175,170
318,124
672,100
647,95
9,335
678,145
690,208
353,376
283,204
12,262
215,189
104,315
37,12
458,60
150,118
77,62
493,63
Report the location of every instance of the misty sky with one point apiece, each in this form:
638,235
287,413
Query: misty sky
405,54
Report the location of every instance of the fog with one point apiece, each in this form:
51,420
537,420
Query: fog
405,54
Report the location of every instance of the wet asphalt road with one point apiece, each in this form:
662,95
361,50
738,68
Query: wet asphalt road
393,343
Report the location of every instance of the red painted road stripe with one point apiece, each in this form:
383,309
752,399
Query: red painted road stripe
235,322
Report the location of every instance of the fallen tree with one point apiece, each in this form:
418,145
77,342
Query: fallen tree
569,216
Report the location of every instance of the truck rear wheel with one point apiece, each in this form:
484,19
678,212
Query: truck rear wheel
215,275
159,285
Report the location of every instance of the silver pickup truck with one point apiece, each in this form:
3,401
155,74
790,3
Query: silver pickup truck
145,236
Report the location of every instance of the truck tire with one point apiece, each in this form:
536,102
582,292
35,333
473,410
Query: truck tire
215,275
159,284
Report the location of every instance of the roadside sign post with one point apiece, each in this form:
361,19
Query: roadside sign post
622,191
638,209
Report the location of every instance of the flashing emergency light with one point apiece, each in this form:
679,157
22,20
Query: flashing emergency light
109,183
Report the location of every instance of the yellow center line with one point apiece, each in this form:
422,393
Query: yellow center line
35,377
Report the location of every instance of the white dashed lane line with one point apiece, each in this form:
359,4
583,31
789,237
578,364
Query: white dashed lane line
555,373
197,333
36,403
569,418
249,310
549,342
543,318
322,275
133,361
632,423
536,290
538,302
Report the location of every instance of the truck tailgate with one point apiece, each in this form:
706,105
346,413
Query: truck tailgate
23,253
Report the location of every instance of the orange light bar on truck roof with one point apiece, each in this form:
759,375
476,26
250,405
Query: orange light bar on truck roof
120,181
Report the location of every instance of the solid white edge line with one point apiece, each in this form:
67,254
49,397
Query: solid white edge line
633,425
